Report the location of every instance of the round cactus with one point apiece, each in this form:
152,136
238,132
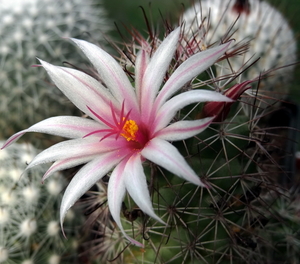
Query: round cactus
30,231
31,29
261,33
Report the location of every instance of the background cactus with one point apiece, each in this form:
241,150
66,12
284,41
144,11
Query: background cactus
31,29
256,26
30,231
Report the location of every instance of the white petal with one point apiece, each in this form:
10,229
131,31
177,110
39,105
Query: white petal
76,148
167,156
184,129
156,71
64,126
82,90
141,63
188,70
67,164
115,196
170,108
110,73
85,178
136,185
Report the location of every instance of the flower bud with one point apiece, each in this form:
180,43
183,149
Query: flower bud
220,109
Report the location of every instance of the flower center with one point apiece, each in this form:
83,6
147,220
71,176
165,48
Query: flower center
129,130
121,126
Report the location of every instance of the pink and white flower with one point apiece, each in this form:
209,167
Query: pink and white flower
127,125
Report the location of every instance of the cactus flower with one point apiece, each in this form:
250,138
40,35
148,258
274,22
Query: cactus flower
126,126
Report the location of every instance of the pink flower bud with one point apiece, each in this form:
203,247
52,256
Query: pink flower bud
220,109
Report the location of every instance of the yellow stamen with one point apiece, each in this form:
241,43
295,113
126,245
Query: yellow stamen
129,130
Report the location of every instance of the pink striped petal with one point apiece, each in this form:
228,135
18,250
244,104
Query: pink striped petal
115,196
77,148
111,74
82,90
64,126
183,129
67,164
170,108
136,185
167,156
141,63
156,71
85,178
188,70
